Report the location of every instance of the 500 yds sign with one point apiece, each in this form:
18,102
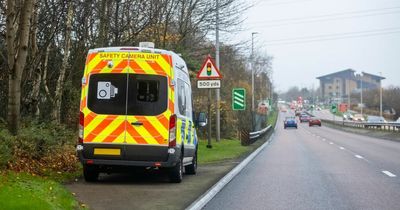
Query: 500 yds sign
209,84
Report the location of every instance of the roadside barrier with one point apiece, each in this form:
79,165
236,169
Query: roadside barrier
388,126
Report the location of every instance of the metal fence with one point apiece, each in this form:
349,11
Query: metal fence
385,126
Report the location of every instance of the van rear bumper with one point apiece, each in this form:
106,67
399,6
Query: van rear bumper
131,155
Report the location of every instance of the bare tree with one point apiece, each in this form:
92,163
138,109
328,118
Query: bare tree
17,36
56,114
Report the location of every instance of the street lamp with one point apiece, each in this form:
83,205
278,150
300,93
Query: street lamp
362,105
380,90
252,70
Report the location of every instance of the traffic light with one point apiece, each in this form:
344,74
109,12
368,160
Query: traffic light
209,69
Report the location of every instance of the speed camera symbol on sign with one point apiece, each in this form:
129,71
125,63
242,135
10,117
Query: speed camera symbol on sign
105,90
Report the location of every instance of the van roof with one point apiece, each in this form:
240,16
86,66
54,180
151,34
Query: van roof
131,49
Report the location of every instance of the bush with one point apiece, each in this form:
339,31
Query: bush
37,148
6,152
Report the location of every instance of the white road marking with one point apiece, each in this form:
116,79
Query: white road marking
359,156
342,148
389,173
323,139
330,142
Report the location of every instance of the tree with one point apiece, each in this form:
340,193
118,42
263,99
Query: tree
18,24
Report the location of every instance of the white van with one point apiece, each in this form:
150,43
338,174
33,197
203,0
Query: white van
136,110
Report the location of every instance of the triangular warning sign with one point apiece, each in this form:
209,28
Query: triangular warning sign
209,70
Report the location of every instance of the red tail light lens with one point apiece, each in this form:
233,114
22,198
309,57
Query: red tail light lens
172,131
81,125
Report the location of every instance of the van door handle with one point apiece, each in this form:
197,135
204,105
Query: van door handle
137,123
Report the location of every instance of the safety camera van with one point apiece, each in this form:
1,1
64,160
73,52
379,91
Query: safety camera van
136,111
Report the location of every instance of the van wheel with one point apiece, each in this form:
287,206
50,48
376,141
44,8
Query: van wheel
90,173
176,172
192,168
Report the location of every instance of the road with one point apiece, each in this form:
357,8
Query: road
317,168
147,190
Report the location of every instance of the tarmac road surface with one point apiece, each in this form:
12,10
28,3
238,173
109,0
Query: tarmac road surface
317,168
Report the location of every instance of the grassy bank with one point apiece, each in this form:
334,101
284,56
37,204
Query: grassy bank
34,164
228,149
223,150
24,191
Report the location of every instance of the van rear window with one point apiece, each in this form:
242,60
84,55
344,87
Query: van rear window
146,94
107,93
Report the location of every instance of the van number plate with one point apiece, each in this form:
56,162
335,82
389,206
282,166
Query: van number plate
106,151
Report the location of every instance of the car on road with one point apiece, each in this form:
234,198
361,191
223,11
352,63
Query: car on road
304,118
290,122
375,119
347,116
314,121
358,117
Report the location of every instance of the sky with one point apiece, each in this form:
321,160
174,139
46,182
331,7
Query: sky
311,38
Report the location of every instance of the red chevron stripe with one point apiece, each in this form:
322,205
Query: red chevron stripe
106,122
115,133
135,135
136,68
151,129
120,67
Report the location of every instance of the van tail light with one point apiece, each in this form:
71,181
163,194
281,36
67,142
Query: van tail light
81,124
172,131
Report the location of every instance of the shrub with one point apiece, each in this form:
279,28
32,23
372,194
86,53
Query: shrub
37,148
6,152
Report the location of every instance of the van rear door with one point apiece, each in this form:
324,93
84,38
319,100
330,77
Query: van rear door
147,115
103,101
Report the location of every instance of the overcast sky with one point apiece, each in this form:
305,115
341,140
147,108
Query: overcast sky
311,38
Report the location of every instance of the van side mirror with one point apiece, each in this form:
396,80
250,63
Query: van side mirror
202,119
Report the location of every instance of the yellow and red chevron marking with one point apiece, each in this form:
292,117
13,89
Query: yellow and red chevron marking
109,128
138,62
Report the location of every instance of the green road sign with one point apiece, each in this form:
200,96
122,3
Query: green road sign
238,99
333,108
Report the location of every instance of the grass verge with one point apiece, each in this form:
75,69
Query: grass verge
223,150
229,149
24,191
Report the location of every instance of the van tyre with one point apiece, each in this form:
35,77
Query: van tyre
90,173
176,172
192,168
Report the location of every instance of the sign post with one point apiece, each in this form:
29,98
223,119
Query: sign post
209,78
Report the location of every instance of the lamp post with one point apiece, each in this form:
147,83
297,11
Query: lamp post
252,70
217,91
362,105
380,90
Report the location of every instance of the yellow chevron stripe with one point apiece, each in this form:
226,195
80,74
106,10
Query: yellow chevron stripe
178,131
145,67
166,66
109,129
120,138
157,125
129,139
143,132
116,62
